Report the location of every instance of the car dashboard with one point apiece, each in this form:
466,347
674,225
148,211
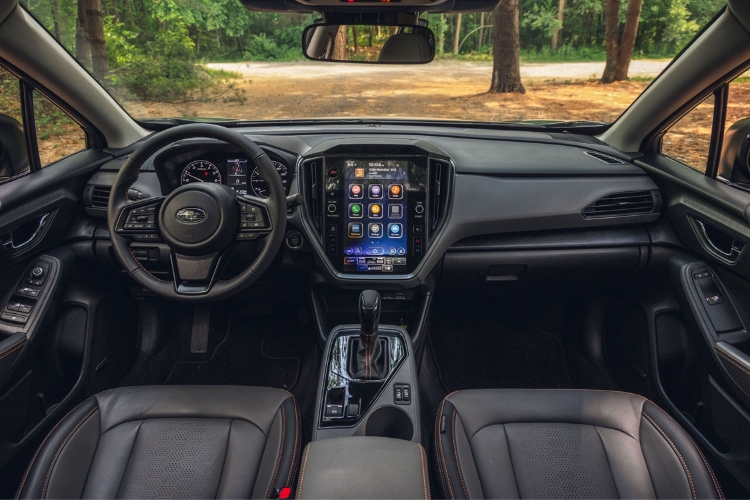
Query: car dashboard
385,208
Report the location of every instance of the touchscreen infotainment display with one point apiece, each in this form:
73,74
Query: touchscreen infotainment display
375,203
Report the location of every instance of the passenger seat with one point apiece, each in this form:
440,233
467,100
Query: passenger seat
504,443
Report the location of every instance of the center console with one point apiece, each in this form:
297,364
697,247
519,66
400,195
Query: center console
368,384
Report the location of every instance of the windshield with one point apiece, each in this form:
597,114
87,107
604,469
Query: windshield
213,59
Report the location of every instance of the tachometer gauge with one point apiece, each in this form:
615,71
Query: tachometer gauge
259,186
200,171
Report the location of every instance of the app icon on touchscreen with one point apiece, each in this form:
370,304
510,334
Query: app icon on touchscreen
376,210
376,191
395,191
376,230
356,191
355,210
359,172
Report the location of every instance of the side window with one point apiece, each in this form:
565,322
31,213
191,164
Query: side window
689,140
14,158
58,135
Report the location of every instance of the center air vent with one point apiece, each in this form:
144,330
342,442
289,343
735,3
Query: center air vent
624,204
609,160
100,196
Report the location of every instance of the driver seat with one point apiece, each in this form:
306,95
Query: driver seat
170,442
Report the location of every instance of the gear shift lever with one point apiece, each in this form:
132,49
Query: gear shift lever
368,359
369,314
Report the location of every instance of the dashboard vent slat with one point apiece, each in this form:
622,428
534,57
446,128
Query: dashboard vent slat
100,196
623,204
609,160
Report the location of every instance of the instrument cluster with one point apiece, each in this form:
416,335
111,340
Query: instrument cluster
221,165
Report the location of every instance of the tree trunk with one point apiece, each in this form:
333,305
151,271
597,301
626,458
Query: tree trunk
441,35
480,41
339,45
354,37
457,37
54,6
612,11
506,47
95,30
627,43
83,47
558,28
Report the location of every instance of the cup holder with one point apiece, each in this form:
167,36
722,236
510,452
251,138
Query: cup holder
390,421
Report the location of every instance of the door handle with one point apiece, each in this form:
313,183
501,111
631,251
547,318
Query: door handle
30,234
729,250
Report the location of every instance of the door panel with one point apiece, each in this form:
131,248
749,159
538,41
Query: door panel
700,345
40,223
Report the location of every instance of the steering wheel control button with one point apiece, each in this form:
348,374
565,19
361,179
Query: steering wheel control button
294,240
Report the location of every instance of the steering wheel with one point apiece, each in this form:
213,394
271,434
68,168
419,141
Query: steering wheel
199,222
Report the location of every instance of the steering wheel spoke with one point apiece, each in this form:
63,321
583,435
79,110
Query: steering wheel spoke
255,221
194,274
139,220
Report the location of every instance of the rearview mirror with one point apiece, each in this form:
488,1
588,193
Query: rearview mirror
403,44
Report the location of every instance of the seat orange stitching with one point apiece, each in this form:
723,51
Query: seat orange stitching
62,445
424,477
437,453
455,452
294,451
302,475
715,480
674,447
33,459
281,451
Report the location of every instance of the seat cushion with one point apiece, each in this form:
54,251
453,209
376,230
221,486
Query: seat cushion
503,443
169,442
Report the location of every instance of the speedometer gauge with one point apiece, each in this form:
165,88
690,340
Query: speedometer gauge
260,187
200,171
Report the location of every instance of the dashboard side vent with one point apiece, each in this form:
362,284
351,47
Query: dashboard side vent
609,160
311,172
439,187
100,196
624,204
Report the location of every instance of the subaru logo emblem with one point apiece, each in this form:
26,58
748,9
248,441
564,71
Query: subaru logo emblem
191,216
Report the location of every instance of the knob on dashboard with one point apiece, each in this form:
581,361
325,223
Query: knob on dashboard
331,208
419,209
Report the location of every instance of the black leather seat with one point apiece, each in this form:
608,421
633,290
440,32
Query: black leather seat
565,444
168,442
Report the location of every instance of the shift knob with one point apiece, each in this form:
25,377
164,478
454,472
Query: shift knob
369,313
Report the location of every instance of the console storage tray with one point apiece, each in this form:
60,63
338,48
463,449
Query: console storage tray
364,467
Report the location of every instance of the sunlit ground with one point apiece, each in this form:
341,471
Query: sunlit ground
444,90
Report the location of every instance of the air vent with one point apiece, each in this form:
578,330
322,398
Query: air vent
623,205
439,184
100,196
609,160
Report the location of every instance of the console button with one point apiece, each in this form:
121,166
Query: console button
23,308
38,272
417,229
13,306
334,411
333,172
333,228
402,394
353,410
34,282
14,318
